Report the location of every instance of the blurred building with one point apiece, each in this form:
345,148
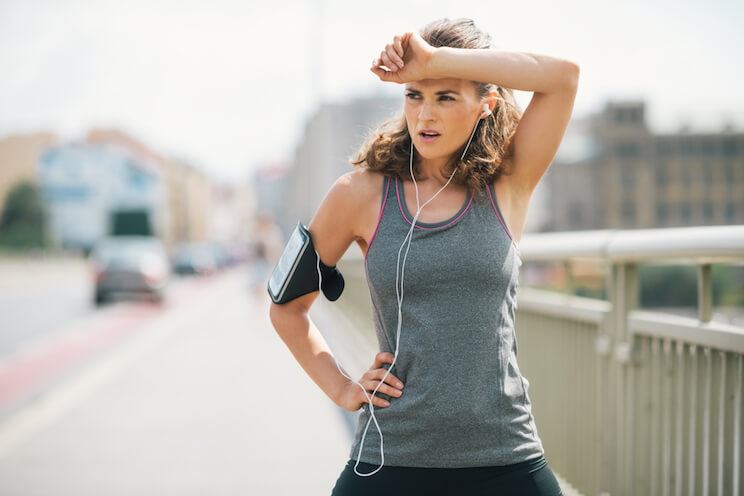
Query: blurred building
84,183
189,205
189,201
233,207
612,171
331,137
270,181
19,155
87,185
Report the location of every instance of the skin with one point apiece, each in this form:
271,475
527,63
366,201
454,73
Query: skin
349,211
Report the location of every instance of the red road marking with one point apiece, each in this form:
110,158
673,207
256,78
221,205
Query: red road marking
28,373
32,371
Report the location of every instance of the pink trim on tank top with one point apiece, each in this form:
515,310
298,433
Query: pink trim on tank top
497,210
379,218
418,226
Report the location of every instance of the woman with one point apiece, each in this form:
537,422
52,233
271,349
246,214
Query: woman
446,385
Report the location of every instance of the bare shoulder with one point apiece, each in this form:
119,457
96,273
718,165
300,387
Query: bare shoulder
362,181
347,214
362,190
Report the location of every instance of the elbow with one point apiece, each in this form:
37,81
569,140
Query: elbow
278,313
571,72
272,311
298,305
275,315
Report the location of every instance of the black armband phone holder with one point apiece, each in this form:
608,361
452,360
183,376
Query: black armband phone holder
296,272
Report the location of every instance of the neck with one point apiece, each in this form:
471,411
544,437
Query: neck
431,170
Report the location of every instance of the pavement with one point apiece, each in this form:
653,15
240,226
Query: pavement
204,398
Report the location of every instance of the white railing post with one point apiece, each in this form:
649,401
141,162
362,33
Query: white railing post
705,293
623,298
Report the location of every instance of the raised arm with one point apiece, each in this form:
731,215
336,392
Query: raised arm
554,82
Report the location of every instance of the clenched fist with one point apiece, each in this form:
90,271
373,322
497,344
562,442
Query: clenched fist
408,58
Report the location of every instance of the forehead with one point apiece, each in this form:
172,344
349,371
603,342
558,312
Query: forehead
433,85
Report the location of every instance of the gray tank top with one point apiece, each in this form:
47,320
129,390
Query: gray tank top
465,402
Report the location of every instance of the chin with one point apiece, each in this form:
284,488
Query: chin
429,151
431,154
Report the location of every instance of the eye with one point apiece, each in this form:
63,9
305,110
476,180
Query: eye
443,97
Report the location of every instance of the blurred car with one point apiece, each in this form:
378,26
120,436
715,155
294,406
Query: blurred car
195,258
221,255
129,265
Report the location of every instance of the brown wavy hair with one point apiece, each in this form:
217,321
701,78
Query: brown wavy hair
386,149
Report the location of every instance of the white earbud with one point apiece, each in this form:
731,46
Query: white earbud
486,111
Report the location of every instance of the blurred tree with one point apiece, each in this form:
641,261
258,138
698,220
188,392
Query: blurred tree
23,223
674,285
671,285
728,285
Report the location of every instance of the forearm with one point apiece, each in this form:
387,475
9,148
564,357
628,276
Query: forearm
309,349
518,70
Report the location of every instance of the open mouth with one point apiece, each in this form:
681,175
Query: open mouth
428,135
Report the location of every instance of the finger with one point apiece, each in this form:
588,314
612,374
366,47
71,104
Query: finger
375,400
378,374
382,73
398,43
384,388
382,357
379,402
387,62
390,379
393,55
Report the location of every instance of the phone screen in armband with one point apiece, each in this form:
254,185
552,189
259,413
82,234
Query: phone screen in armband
288,262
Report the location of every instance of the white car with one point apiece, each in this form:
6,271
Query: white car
129,265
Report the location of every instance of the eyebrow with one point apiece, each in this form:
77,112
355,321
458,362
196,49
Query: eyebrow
443,92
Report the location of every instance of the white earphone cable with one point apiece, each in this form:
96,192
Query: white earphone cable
408,238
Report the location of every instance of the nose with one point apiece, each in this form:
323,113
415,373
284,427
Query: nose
425,113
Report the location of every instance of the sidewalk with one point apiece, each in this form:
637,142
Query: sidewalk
206,400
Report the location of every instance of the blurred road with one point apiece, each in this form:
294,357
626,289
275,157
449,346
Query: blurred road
37,294
199,396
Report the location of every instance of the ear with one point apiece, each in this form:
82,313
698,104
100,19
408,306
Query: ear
492,99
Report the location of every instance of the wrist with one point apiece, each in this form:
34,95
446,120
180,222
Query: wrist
338,394
437,67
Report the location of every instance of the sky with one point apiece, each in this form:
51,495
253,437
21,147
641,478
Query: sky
228,85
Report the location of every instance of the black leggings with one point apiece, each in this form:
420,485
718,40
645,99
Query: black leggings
529,478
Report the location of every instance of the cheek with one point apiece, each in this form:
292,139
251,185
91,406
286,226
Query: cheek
456,125
459,115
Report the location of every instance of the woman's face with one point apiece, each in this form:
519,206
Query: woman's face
449,107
